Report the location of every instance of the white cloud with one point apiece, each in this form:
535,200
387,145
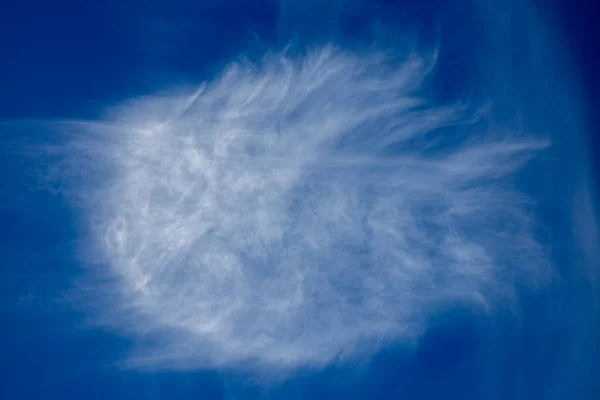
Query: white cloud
300,211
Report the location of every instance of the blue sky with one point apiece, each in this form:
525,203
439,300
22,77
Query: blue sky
281,199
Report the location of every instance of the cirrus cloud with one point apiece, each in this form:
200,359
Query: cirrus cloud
301,210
